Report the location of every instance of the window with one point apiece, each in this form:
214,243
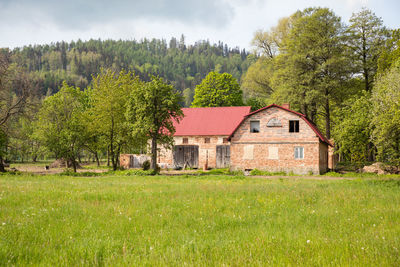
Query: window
225,140
299,152
255,126
185,140
207,140
274,122
293,126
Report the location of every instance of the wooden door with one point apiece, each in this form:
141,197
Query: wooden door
188,155
223,156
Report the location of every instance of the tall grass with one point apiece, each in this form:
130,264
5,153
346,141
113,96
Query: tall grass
197,220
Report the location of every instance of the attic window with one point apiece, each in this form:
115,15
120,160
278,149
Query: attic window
185,140
274,122
207,140
254,126
293,126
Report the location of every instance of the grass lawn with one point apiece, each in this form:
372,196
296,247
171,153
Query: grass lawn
206,220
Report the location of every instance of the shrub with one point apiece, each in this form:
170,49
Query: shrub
267,173
146,165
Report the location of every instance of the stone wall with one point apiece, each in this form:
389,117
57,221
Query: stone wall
273,147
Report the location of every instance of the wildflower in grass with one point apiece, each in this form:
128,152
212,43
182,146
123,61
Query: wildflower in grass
308,241
3,223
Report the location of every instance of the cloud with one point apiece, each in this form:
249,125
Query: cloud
77,14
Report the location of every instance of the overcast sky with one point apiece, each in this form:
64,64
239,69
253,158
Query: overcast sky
24,22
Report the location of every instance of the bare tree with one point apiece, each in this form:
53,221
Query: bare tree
15,89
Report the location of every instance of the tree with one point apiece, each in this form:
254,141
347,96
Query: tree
59,126
366,37
312,68
268,43
257,81
15,89
386,115
390,52
218,90
151,110
108,99
353,131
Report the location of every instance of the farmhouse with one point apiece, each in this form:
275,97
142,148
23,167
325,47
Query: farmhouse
276,138
273,138
201,137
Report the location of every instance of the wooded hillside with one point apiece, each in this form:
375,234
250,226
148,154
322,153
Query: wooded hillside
183,65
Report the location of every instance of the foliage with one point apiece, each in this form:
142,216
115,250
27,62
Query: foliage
352,133
312,65
386,115
257,82
59,127
182,64
267,173
218,90
106,114
366,37
146,165
390,52
212,221
151,110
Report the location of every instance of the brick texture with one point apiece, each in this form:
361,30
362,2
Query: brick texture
206,150
273,148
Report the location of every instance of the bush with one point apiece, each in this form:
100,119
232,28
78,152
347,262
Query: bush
267,173
146,165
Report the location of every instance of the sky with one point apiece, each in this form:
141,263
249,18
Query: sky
24,22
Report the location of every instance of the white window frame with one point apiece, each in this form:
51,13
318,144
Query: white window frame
298,152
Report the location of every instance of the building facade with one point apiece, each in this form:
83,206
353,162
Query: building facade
201,138
275,139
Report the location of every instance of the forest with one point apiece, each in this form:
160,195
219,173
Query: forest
80,99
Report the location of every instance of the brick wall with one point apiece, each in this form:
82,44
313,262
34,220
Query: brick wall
166,155
273,148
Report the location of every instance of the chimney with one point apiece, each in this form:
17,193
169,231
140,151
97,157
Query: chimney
286,105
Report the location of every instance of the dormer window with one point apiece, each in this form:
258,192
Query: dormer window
294,126
254,126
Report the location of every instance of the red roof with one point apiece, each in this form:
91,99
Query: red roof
312,126
210,121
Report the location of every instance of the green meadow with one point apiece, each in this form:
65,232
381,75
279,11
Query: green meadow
57,220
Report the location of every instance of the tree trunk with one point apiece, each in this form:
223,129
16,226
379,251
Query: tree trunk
108,156
327,119
97,158
73,163
2,169
154,153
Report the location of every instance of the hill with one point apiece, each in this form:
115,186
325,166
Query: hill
183,65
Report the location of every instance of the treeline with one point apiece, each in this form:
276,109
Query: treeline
75,62
342,76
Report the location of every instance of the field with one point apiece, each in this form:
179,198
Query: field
198,220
